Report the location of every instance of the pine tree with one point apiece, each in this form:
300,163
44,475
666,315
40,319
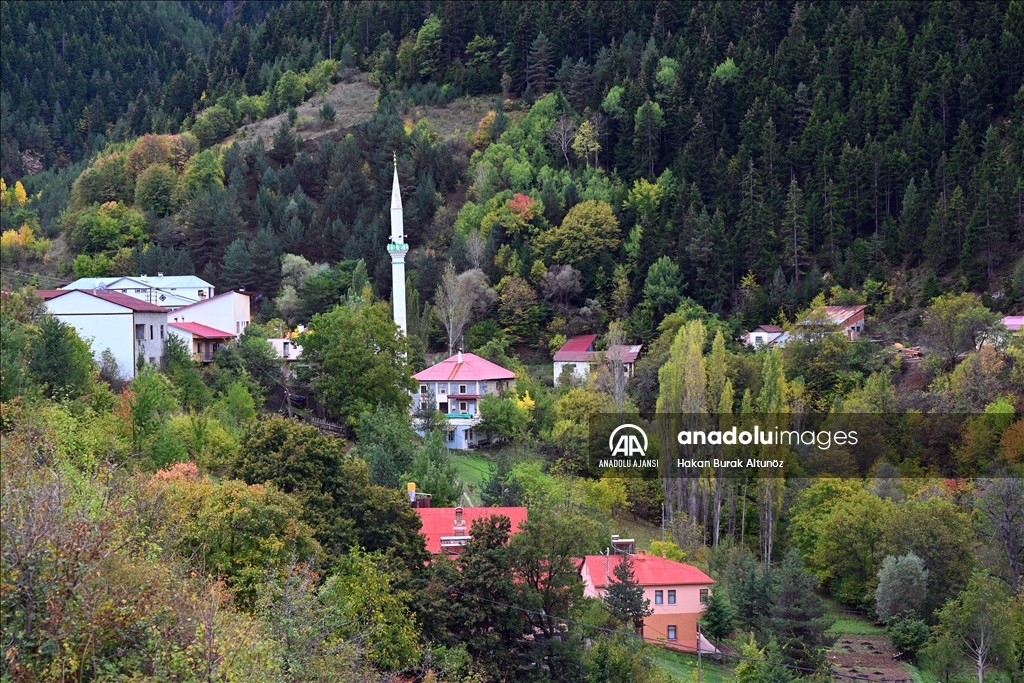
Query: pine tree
797,616
237,269
647,135
266,259
796,228
624,597
718,616
538,72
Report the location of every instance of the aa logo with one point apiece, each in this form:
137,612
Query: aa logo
625,441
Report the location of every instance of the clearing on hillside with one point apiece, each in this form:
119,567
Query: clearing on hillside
353,101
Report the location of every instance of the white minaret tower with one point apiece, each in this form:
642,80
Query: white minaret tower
398,249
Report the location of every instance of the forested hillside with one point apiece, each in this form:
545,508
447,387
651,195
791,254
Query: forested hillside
664,176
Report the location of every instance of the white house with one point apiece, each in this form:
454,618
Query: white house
169,291
762,335
578,356
286,348
228,312
455,386
127,326
849,320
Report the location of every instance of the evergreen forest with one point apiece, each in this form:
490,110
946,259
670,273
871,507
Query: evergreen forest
657,174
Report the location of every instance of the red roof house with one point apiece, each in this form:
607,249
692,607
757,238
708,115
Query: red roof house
677,592
448,529
578,354
203,340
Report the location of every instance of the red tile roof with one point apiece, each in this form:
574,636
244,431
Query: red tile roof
202,330
473,368
769,328
438,522
578,349
650,571
107,295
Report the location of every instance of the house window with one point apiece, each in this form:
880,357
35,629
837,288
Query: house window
659,597
758,339
423,390
140,331
462,388
672,632
161,331
671,597
463,407
451,435
469,435
703,596
150,331
285,349
483,387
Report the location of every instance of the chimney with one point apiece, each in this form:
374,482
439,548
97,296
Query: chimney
459,528
460,356
411,487
641,555
159,274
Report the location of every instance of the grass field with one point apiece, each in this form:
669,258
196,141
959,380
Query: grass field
474,470
683,667
849,623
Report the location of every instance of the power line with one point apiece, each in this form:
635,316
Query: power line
630,634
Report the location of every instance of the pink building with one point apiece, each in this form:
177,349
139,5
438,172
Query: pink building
454,386
678,593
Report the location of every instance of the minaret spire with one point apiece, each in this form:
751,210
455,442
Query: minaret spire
397,248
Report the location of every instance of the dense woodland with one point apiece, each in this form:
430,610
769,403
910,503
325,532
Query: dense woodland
650,172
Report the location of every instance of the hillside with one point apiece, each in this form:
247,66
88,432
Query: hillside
602,199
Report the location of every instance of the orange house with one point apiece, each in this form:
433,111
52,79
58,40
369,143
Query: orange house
678,593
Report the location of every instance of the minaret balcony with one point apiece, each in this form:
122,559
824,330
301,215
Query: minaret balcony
395,248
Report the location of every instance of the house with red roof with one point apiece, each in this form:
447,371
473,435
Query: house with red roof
677,592
446,530
454,387
128,327
578,356
202,340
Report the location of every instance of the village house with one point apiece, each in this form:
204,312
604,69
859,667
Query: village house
762,335
128,327
168,291
454,387
677,592
849,320
202,340
446,530
229,312
578,355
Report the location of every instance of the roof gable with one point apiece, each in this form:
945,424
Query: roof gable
118,298
472,368
651,570
579,348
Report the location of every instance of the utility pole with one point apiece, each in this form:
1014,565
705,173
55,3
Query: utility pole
662,522
698,654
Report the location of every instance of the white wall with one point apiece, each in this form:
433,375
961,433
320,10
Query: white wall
103,324
227,313
152,347
581,372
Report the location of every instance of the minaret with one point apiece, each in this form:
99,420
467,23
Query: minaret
398,249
